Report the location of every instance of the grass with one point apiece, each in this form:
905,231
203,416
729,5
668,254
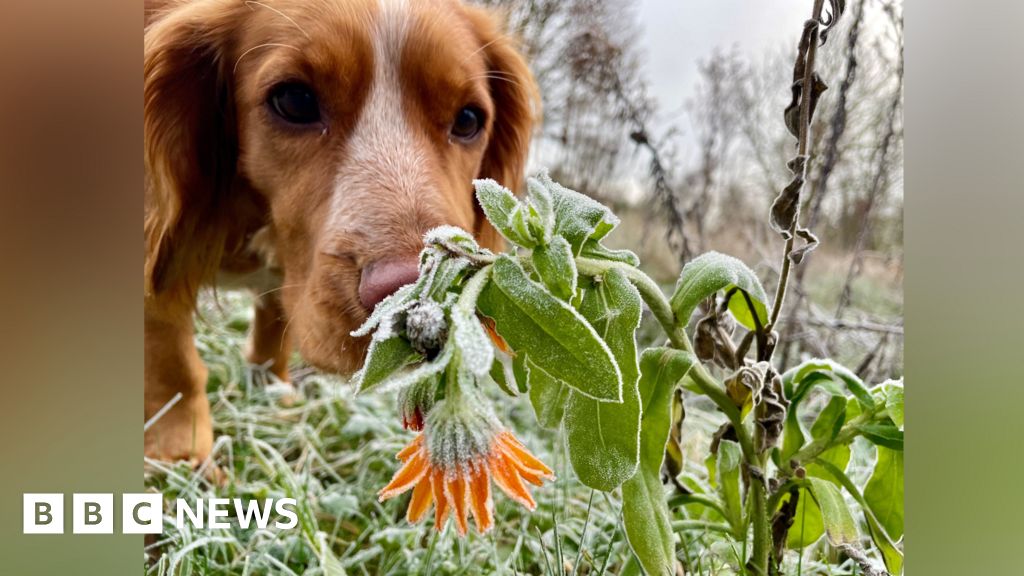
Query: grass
332,451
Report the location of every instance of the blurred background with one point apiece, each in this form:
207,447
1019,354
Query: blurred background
672,113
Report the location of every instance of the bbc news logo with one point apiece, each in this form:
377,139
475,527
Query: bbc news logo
143,513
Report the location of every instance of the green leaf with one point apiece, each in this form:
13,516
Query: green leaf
577,217
807,526
556,267
645,514
500,207
835,514
830,419
383,359
797,381
405,376
553,334
476,353
887,435
707,274
594,249
892,555
548,396
884,491
728,475
837,457
603,437
891,395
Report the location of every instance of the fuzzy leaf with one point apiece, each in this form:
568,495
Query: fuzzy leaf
711,272
577,217
382,360
406,376
891,555
594,249
553,334
556,267
727,473
645,513
548,397
476,353
839,524
796,382
603,437
891,394
501,206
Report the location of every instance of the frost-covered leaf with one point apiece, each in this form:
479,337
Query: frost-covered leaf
501,206
577,217
711,272
835,514
807,526
796,382
476,353
556,267
891,555
547,395
552,333
543,214
383,359
884,491
594,249
603,437
645,513
388,307
408,375
890,394
727,474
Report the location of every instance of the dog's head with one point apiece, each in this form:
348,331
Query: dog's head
344,128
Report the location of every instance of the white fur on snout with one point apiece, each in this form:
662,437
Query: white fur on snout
385,160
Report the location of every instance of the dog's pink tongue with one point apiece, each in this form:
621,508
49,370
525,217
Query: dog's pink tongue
381,278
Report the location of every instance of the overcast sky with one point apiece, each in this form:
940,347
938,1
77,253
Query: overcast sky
676,34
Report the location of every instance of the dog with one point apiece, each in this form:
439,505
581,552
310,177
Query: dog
301,148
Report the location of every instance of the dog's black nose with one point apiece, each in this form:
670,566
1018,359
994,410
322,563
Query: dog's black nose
380,279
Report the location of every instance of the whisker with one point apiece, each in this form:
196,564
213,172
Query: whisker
235,69
484,47
249,3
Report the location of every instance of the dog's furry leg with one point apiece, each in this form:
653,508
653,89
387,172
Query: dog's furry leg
268,339
183,432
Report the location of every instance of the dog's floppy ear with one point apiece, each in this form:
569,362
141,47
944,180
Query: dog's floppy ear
516,108
190,143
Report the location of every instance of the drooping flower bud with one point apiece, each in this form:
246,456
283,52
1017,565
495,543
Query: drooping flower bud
415,402
426,327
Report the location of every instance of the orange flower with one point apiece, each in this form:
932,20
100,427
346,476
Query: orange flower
460,484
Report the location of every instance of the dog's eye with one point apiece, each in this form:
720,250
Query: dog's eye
295,103
468,123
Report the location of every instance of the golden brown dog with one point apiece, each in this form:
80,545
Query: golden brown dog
302,148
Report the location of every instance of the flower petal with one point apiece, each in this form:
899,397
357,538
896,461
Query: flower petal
507,478
422,496
412,448
455,490
480,499
441,509
407,476
521,455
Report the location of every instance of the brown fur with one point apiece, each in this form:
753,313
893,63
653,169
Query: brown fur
234,194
